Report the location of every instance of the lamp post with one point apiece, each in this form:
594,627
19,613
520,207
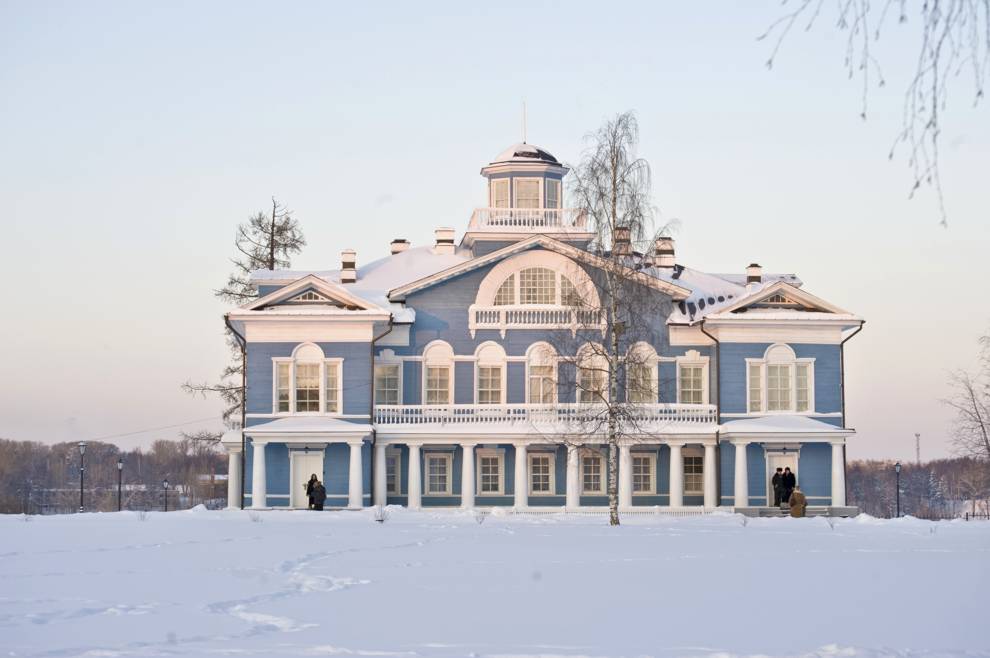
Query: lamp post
897,472
165,484
120,481
82,472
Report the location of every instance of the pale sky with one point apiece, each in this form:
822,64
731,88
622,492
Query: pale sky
135,136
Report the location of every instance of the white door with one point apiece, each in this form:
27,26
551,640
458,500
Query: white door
780,460
303,466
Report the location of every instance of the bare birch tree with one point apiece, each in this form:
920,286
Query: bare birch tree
954,38
612,185
266,241
971,401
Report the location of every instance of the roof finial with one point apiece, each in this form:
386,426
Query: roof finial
524,122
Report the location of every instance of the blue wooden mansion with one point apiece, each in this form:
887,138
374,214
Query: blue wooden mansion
434,377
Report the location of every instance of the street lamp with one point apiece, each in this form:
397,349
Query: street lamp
120,480
82,471
897,471
165,484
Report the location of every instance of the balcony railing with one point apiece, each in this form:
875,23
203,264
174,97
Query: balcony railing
559,416
530,220
501,318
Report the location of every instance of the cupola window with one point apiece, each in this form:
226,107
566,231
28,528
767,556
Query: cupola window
500,193
553,194
527,192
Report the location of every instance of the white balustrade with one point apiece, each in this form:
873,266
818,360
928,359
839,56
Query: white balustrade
501,318
571,413
536,220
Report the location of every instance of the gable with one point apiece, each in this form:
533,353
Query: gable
782,296
311,290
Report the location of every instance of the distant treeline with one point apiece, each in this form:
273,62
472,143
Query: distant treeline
36,478
935,489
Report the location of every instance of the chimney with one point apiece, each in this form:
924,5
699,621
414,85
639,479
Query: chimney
664,252
399,245
348,267
445,241
754,273
620,242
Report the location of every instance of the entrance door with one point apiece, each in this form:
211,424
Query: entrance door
303,466
777,460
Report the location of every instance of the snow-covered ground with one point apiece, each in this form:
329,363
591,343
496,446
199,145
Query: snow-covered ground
203,583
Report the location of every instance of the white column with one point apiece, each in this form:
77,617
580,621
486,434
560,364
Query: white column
522,478
573,474
838,476
380,474
233,477
259,485
741,488
709,475
625,476
467,475
355,478
415,486
676,475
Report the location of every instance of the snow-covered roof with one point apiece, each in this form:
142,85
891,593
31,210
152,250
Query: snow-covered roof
523,152
781,424
712,292
313,425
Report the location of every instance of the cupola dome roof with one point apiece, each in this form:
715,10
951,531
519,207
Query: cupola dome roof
524,152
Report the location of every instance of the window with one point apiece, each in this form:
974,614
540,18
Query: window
387,383
307,387
392,459
527,192
438,385
500,193
694,480
553,194
592,479
755,387
309,296
332,388
282,385
802,387
591,383
644,473
438,467
641,385
537,285
542,387
541,473
506,295
489,472
489,385
568,294
778,387
692,386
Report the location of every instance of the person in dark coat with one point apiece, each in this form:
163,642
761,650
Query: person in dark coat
798,502
319,496
309,488
776,483
788,481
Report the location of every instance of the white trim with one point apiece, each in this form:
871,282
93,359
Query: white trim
316,358
647,356
330,290
782,287
793,361
533,358
490,354
652,456
508,191
603,472
596,361
692,452
515,191
442,357
388,358
499,454
541,454
294,453
449,457
693,358
550,260
393,451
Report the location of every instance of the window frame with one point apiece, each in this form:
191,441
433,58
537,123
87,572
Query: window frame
388,364
322,363
694,455
516,180
437,354
556,183
446,456
602,473
542,355
493,196
552,465
693,359
642,354
652,458
488,453
392,452
772,357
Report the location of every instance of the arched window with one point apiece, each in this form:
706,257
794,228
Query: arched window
641,374
592,374
307,382
541,374
438,373
780,382
536,286
490,373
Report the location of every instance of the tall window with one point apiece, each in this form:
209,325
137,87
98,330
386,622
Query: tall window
500,193
387,383
568,294
537,285
282,385
331,390
541,473
591,381
778,387
643,474
802,387
694,479
527,192
438,385
392,472
307,387
541,385
553,193
592,478
692,385
506,294
640,383
781,382
438,467
489,385
755,387
489,473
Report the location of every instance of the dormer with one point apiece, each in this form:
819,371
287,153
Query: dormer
525,197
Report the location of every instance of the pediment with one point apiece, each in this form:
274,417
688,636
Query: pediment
311,290
782,296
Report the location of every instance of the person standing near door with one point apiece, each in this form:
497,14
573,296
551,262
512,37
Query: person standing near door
776,482
319,496
313,480
798,502
788,482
